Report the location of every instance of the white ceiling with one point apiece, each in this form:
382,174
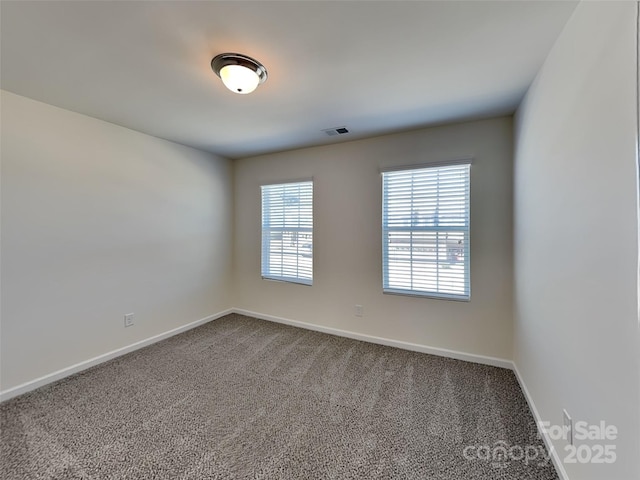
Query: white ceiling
375,67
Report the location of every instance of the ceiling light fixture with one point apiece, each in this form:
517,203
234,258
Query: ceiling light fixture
239,73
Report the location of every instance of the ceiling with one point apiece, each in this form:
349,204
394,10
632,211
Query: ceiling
374,67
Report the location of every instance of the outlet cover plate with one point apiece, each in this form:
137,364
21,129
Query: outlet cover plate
568,426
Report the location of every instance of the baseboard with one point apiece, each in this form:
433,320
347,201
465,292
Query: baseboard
78,367
65,372
557,462
442,352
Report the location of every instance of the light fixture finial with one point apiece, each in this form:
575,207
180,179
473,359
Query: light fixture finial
239,73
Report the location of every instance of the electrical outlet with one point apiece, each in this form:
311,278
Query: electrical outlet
358,310
568,426
128,320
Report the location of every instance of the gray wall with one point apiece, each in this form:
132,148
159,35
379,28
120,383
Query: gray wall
576,246
99,221
347,239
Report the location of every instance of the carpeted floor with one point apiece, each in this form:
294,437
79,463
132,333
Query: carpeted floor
240,398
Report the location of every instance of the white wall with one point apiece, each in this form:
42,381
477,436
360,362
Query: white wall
347,239
576,247
99,221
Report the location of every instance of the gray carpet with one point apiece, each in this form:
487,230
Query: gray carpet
240,398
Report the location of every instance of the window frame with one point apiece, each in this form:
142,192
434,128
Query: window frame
437,293
267,229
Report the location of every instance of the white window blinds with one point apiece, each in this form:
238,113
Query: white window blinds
425,231
287,232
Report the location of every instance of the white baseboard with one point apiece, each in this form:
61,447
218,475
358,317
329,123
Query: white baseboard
442,352
557,462
78,367
65,372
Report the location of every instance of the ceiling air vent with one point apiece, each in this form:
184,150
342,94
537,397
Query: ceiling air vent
336,131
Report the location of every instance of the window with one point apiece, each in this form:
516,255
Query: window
287,232
425,231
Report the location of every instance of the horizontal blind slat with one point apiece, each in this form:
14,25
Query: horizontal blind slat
425,230
287,232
